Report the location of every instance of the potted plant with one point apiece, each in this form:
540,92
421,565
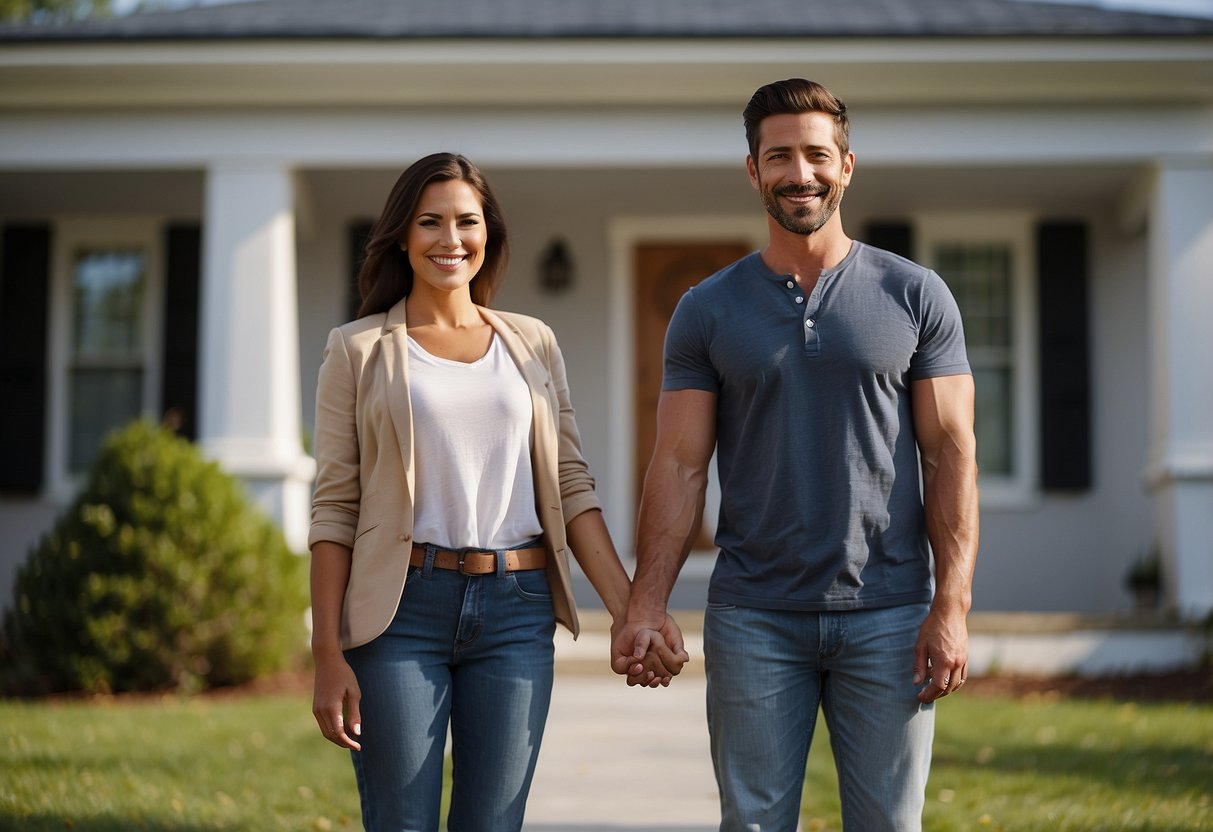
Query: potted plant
1144,579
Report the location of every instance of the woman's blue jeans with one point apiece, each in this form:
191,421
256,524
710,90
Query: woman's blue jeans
474,652
768,671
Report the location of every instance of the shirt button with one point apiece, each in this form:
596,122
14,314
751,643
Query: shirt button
808,324
404,537
799,299
791,285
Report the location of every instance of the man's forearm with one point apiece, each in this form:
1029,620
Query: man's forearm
670,516
951,504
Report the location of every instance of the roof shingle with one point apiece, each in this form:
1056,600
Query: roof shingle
515,19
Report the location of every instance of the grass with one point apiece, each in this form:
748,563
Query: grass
203,764
185,765
1064,765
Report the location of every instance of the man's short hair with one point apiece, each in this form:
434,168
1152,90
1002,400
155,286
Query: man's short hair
795,95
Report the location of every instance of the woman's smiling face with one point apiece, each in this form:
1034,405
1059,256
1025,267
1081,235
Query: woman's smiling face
446,239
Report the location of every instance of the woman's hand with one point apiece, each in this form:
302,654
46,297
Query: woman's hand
657,655
335,701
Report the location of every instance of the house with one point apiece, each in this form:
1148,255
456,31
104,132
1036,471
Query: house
182,195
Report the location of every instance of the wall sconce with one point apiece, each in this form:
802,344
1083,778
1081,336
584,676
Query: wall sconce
555,267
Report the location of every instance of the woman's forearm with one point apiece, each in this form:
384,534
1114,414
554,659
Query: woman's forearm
329,578
596,555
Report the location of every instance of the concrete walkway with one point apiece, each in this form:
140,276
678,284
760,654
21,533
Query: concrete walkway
618,758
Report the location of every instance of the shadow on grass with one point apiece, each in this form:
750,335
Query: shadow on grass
57,822
1166,770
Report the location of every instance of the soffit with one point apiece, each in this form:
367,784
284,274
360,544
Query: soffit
609,72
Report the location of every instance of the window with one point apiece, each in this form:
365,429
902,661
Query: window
979,276
986,263
105,375
105,338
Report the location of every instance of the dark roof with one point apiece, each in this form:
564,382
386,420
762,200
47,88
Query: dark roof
302,19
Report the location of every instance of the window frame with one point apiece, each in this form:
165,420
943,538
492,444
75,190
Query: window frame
71,236
1019,488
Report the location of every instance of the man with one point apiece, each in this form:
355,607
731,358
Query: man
821,370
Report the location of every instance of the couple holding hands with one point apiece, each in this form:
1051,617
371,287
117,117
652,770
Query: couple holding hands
451,489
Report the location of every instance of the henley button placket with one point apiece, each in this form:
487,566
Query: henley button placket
812,332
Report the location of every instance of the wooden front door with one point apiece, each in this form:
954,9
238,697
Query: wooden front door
663,272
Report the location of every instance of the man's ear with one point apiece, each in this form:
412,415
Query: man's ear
752,170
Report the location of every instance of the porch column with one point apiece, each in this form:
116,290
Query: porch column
249,414
1181,338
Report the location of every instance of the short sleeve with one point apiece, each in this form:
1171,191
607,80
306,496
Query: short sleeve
941,341
688,364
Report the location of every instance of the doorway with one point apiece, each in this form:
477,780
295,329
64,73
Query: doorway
663,271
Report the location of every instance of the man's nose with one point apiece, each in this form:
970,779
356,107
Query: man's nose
802,169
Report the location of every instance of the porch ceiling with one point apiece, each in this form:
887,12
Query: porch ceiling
874,192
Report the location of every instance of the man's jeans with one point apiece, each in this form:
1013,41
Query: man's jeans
767,673
474,651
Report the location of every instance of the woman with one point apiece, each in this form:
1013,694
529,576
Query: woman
450,487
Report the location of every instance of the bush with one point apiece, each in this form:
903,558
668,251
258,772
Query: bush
160,576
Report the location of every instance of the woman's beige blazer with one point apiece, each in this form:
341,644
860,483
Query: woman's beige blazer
365,476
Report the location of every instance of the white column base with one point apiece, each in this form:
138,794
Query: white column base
279,486
1184,520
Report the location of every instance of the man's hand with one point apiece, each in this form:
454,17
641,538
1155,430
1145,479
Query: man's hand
941,655
649,653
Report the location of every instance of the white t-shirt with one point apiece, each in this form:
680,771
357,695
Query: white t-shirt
472,449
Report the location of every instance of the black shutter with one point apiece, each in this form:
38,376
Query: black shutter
179,390
1065,400
359,233
897,237
24,295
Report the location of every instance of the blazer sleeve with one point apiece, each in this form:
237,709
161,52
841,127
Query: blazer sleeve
335,501
577,493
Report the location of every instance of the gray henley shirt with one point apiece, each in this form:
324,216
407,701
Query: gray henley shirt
821,508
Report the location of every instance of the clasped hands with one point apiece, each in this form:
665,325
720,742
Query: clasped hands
648,653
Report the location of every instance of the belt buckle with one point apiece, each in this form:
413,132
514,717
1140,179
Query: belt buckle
463,553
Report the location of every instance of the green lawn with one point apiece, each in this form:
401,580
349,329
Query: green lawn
205,764
1052,764
182,765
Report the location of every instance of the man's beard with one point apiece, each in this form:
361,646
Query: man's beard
806,220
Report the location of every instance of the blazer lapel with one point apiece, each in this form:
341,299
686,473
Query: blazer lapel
394,348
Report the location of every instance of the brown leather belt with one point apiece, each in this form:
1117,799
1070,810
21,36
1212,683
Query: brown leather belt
481,563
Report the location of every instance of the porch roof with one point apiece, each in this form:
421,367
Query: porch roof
641,19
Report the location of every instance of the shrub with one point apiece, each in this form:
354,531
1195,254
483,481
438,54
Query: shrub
160,576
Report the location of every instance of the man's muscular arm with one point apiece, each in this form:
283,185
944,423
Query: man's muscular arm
943,426
671,512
